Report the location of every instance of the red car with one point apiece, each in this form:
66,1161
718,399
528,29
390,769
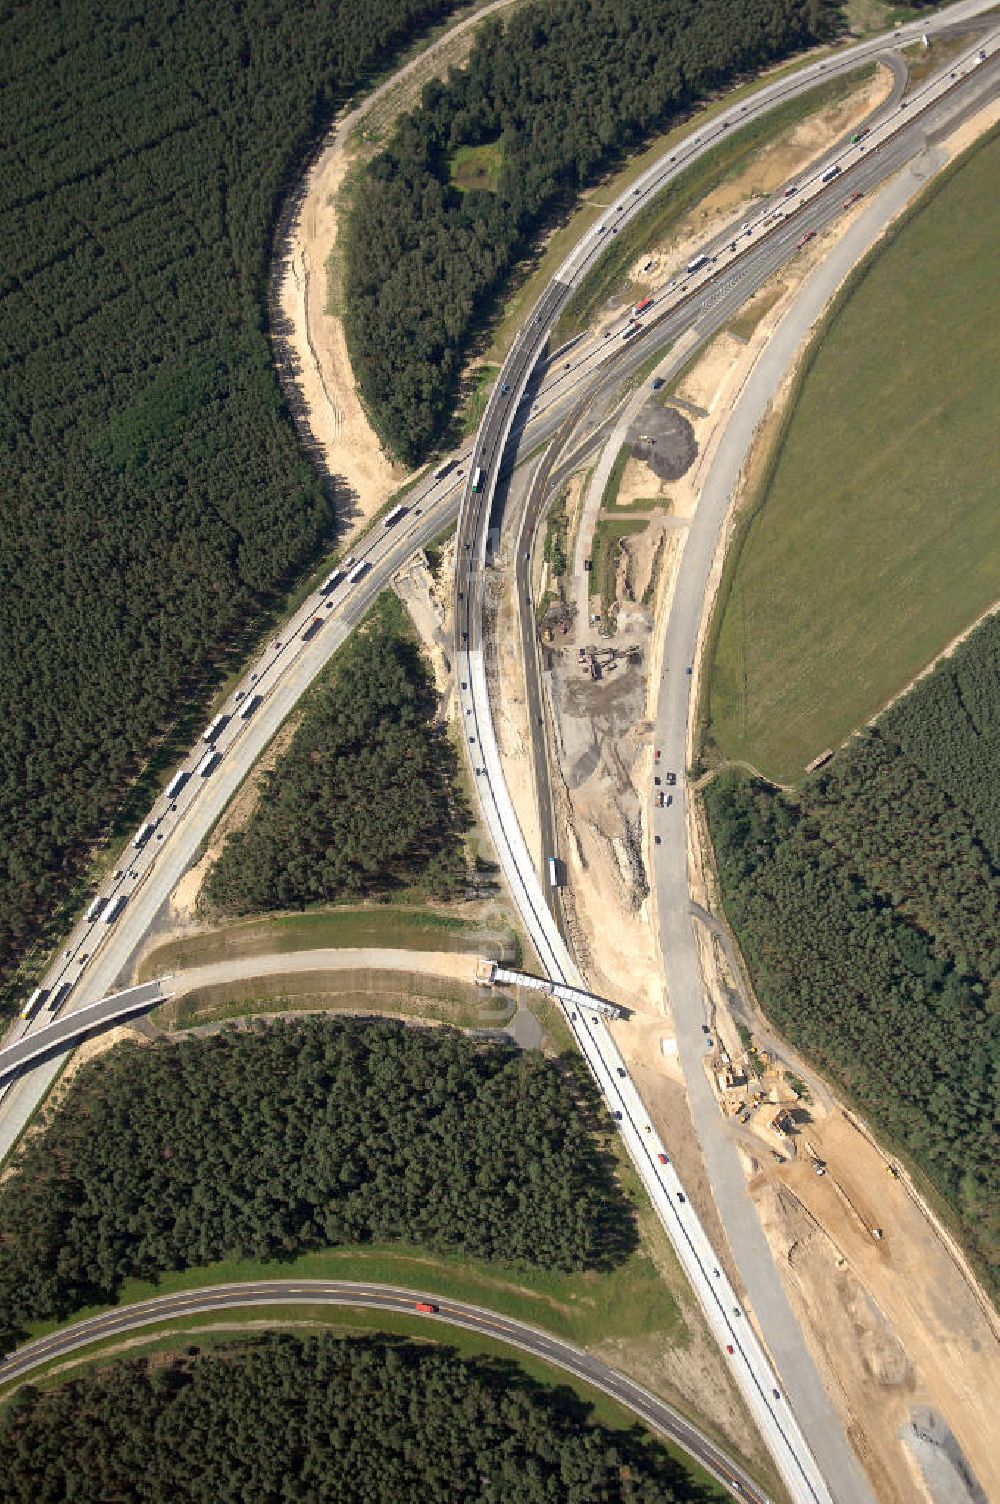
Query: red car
663,1159
853,199
656,754
730,1349
809,235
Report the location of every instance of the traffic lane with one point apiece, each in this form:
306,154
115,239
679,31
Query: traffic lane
723,1310
670,869
844,157
178,849
91,937
139,864
718,295
67,1032
655,1412
765,99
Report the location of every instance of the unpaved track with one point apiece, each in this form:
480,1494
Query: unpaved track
453,965
310,350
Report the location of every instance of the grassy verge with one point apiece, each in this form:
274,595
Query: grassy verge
635,1315
872,538
217,1330
396,994
923,61
630,1302
482,379
658,221
744,324
538,273
607,536
641,504
556,535
370,926
614,480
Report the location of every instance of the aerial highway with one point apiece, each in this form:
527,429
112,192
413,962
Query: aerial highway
438,1312
669,863
65,1033
167,840
782,230
118,917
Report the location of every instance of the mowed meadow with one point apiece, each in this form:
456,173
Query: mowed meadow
876,539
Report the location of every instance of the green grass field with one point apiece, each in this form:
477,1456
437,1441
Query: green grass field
371,926
476,166
875,536
608,534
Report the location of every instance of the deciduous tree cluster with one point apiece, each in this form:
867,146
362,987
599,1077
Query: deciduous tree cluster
300,1135
869,910
563,89
154,495
366,798
331,1421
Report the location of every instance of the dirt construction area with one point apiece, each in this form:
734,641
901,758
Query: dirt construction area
906,1344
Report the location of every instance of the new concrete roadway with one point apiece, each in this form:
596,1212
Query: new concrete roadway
651,1411
100,947
838,1475
681,965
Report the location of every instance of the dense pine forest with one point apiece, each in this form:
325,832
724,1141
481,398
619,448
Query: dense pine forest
301,1135
365,801
868,910
153,494
327,1420
560,91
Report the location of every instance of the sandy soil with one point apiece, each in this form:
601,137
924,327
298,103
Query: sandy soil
313,350
426,604
770,167
909,1330
973,128
184,898
510,719
310,348
893,1322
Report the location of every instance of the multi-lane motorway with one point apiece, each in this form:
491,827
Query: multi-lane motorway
100,946
778,228
394,1301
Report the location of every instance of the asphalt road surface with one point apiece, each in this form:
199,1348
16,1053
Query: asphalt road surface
100,947
55,1039
574,1360
848,169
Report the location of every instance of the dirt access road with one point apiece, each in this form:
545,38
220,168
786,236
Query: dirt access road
309,345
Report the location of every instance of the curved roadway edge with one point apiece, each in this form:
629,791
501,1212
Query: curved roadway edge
840,1475
681,963
62,1036
654,1412
288,673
